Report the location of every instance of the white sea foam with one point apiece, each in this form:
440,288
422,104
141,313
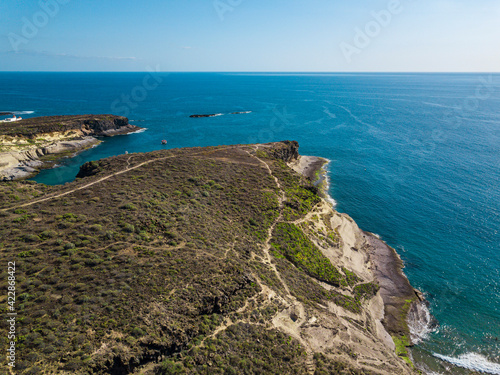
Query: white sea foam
18,113
138,131
472,361
420,322
328,198
23,112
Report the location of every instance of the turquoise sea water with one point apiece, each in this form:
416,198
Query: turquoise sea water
414,158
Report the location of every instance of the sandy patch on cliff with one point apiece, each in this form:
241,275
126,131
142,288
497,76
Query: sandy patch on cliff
307,165
335,331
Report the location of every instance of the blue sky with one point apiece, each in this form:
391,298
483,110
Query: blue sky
250,35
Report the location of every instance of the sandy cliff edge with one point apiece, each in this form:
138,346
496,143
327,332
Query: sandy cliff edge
377,261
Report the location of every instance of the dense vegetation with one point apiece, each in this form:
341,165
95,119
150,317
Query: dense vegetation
289,241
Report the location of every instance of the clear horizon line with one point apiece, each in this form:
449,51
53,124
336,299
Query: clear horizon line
253,72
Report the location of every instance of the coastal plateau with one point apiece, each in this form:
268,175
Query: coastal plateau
216,260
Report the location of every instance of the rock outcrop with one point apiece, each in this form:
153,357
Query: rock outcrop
209,115
88,169
287,151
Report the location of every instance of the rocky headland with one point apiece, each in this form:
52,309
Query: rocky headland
216,260
25,144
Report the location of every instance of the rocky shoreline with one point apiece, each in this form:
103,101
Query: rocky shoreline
399,297
400,300
309,166
26,164
25,145
209,115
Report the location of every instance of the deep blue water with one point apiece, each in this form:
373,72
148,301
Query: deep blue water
415,159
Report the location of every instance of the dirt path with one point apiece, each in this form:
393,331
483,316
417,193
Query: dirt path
282,320
84,186
267,243
127,169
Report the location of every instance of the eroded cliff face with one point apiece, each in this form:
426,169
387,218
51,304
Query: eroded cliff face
198,261
352,330
23,143
97,125
287,151
350,334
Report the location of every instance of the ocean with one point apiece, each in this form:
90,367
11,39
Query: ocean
414,158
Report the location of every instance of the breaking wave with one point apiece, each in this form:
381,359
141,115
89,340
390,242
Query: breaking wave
472,361
420,322
22,112
138,131
17,113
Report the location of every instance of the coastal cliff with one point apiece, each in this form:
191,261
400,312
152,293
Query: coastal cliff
25,143
216,260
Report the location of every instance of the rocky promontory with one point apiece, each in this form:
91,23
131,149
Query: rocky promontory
25,143
214,260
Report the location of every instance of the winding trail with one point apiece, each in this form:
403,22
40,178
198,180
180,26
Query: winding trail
281,321
267,243
127,169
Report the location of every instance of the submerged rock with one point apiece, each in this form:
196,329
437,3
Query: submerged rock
210,115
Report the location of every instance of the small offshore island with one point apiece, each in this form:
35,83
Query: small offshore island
26,144
215,260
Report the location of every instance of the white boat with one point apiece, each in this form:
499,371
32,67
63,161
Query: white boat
12,119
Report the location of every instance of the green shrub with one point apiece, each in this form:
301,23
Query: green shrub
29,254
290,242
129,228
48,234
69,245
171,367
31,238
129,206
367,290
137,332
96,228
